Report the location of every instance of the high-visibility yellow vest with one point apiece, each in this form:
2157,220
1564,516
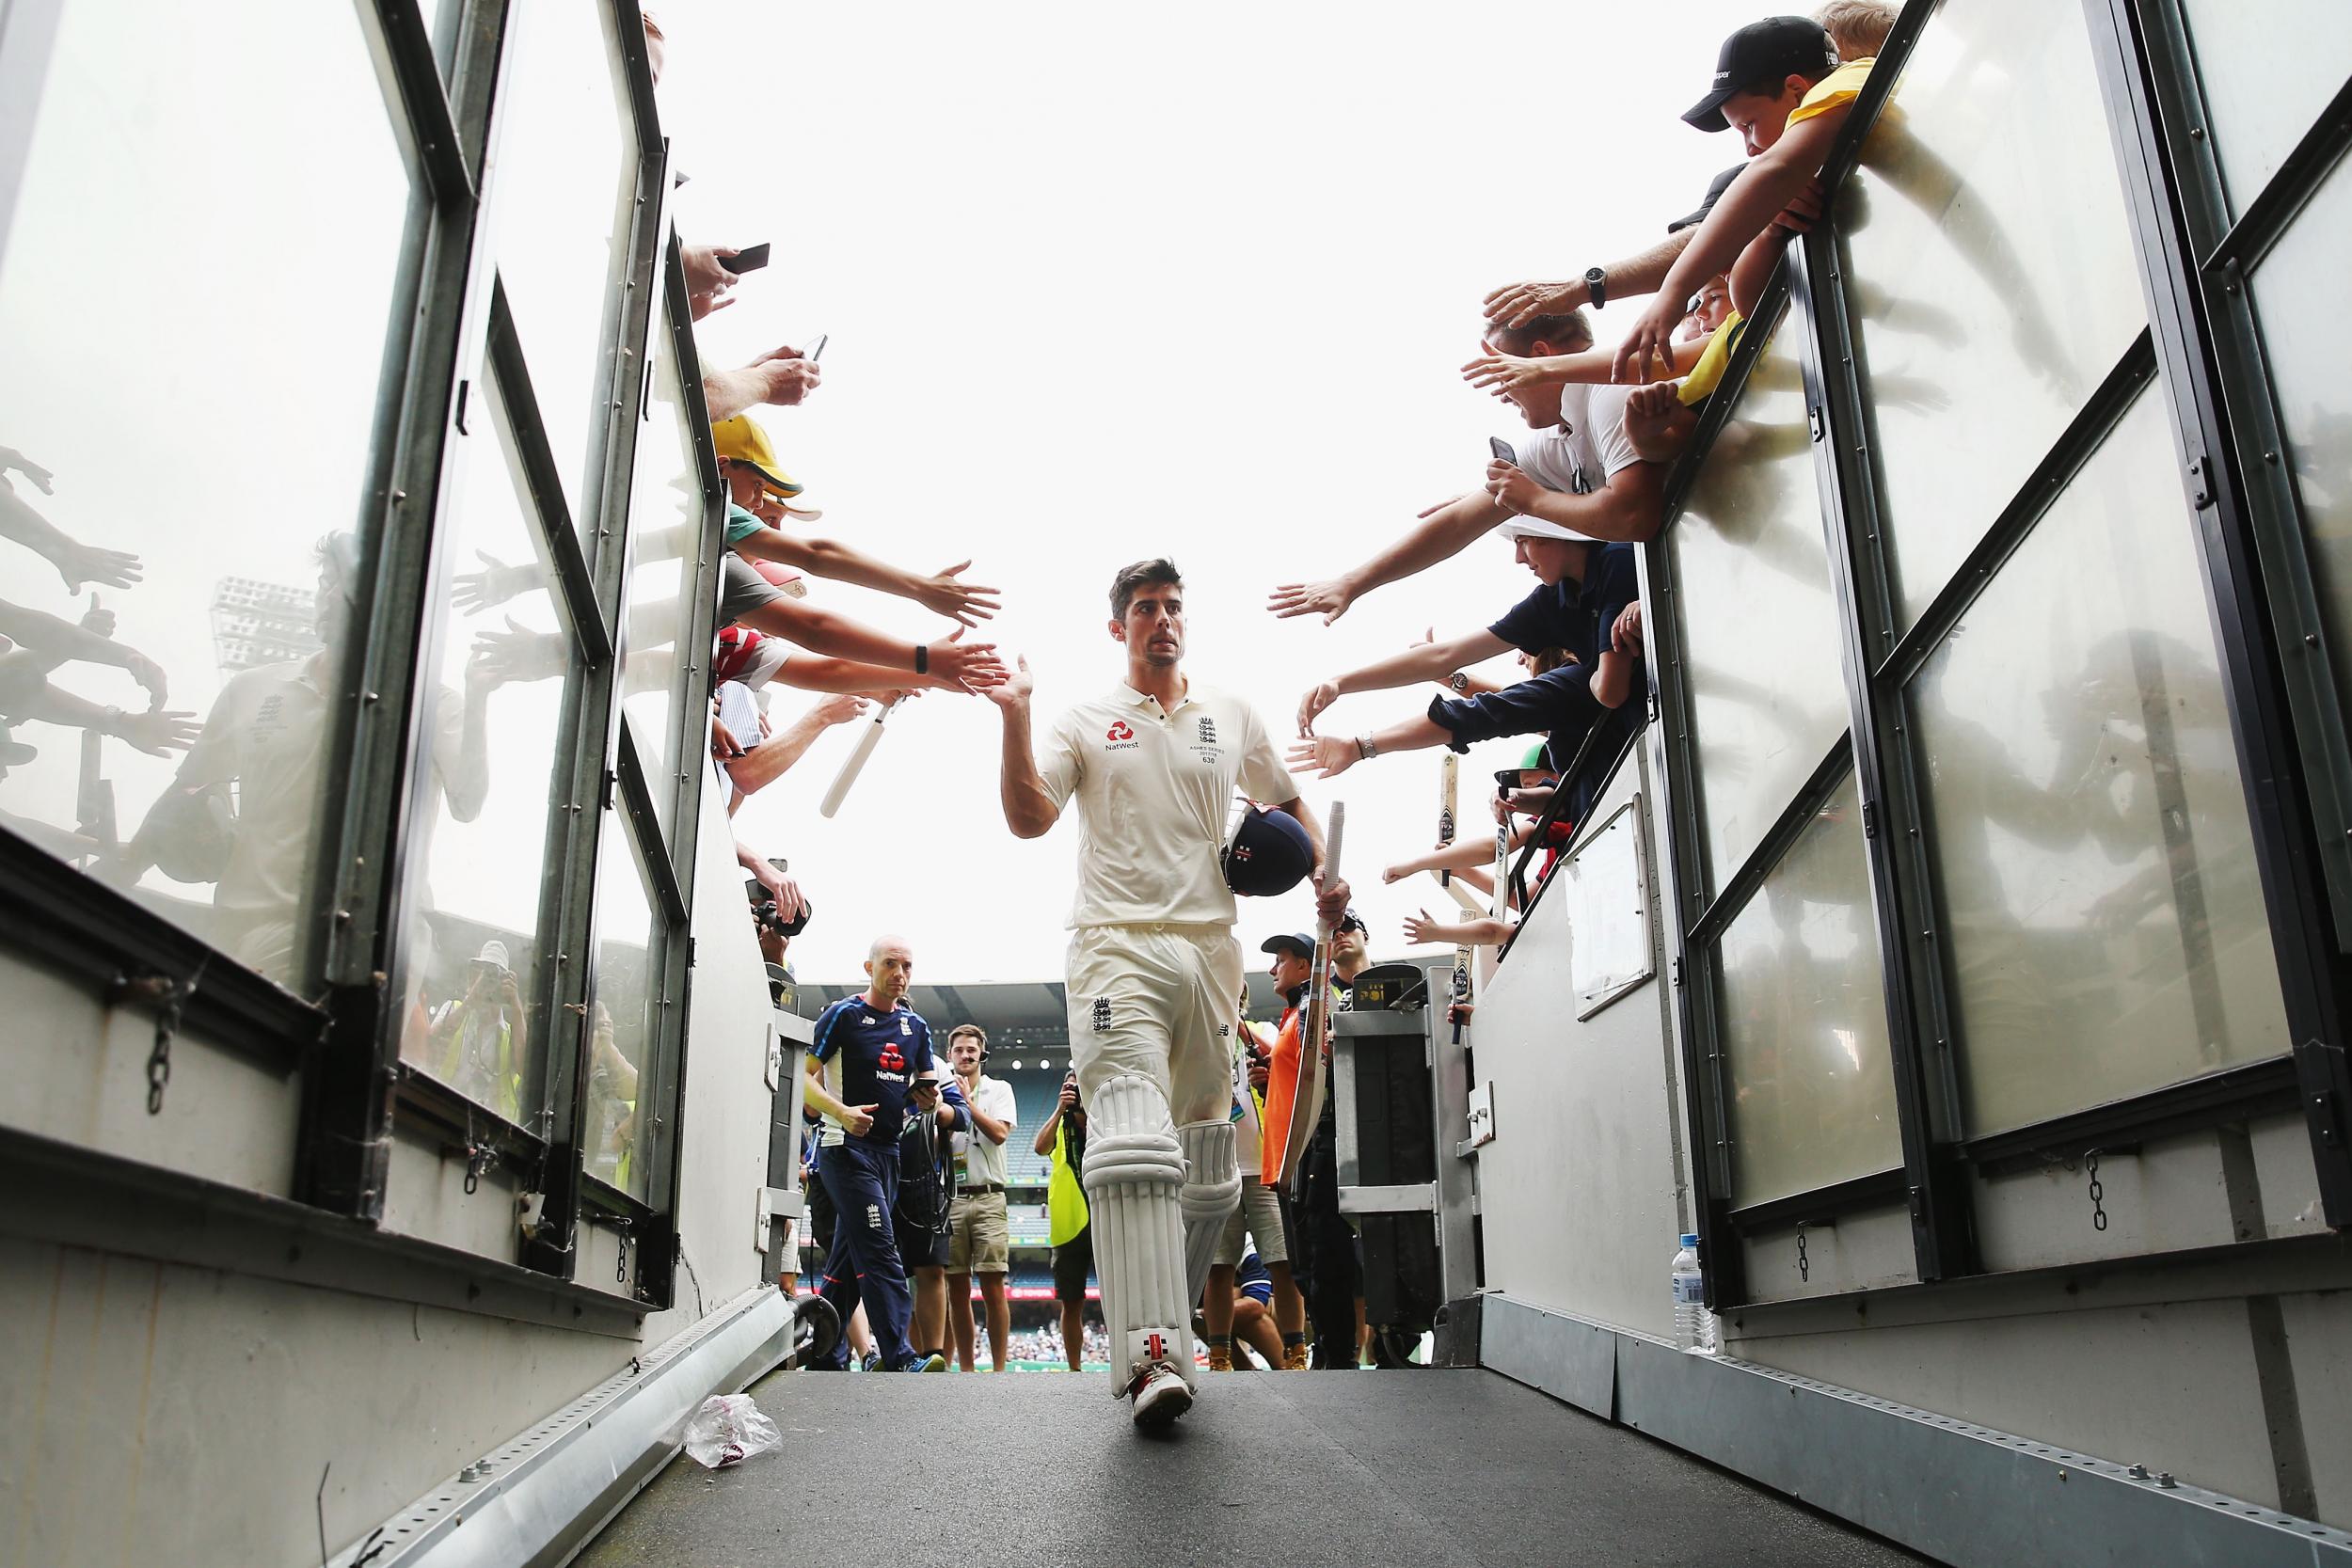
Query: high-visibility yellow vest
1065,1196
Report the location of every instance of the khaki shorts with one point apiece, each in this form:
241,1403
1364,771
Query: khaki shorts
1258,1219
977,1242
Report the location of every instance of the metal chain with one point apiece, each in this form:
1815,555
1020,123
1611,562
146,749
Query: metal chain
2098,1211
620,1267
1805,1265
159,1059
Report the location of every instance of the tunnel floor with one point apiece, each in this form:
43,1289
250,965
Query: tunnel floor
1379,1468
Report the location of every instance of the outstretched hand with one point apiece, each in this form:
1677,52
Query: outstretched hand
1329,756
1516,304
1329,599
1319,696
1651,341
1500,374
971,666
968,603
1015,689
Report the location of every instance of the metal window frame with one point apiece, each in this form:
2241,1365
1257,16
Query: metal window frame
608,774
2286,717
2189,307
451,326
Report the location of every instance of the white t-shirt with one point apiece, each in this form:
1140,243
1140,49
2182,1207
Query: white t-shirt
977,1160
1154,790
1580,454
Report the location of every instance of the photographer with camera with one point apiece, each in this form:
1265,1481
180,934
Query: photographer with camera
921,1219
1063,1142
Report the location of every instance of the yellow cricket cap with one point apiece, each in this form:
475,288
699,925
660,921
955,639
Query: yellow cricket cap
741,440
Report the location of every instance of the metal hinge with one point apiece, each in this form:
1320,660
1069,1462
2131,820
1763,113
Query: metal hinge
689,952
611,782
1817,420
2201,481
1869,819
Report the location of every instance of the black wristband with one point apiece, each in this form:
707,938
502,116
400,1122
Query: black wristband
922,658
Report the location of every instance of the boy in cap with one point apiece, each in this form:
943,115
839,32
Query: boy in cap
1779,84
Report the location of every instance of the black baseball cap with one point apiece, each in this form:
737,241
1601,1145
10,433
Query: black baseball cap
1762,52
1297,943
1715,189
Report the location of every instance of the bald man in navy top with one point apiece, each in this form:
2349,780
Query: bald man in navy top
866,1070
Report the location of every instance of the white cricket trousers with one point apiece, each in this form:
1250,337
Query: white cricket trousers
1158,1002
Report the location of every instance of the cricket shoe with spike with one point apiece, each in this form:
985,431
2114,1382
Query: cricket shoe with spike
1159,1394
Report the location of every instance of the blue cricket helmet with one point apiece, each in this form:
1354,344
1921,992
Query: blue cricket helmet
1269,854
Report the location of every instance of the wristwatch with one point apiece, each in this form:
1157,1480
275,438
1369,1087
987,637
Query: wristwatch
1365,750
1459,680
1596,286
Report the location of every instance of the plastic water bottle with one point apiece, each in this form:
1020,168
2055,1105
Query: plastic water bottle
1694,1326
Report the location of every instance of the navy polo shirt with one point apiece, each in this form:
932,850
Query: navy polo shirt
1576,616
872,1058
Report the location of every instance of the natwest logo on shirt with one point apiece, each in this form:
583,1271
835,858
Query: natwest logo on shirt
1119,730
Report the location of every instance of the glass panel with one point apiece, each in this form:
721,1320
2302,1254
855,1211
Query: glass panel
624,1023
474,962
565,182
1994,283
1748,554
2304,334
2268,69
2101,914
1609,947
665,506
1804,1022
190,447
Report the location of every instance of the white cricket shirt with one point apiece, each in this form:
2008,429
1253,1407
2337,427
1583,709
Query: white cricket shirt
1154,789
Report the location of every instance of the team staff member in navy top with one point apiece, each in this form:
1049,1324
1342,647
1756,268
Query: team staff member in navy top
864,1068
1585,588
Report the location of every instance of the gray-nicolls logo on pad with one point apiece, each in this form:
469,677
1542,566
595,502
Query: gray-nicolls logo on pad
1102,1014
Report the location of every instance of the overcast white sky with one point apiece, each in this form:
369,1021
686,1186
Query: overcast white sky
1109,284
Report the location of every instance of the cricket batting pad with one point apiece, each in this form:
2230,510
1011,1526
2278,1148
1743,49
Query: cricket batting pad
1134,1168
1212,1192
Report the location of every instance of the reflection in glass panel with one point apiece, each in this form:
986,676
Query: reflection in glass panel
2101,915
1994,279
189,451
473,956
2297,292
2268,69
624,1023
1759,628
1804,1022
563,183
665,508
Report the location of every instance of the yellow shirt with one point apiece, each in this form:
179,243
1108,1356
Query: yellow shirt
1839,87
1709,372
